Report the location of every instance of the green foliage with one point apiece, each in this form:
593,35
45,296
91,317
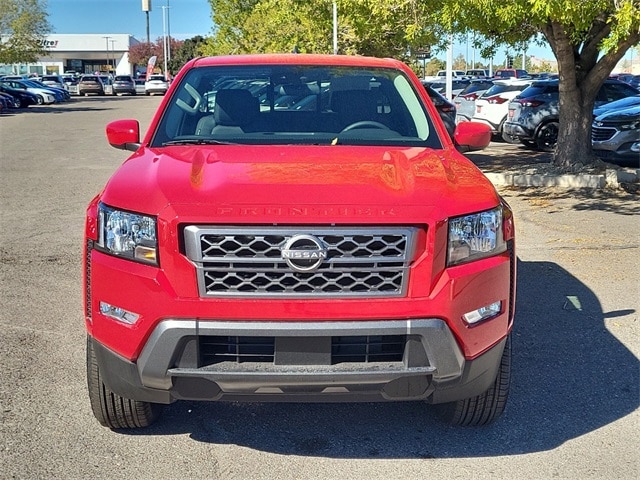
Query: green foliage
433,66
23,28
184,51
365,27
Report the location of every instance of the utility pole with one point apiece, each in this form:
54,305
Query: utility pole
146,8
114,55
164,38
107,42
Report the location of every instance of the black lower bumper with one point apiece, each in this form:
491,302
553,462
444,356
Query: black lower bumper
431,366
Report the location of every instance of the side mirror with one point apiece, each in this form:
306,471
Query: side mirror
124,134
471,136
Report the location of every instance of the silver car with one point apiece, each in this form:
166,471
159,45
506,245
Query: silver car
615,136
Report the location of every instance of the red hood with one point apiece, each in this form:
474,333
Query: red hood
259,183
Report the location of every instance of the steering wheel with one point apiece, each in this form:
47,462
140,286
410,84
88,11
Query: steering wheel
364,124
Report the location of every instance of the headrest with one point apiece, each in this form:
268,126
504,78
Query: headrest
235,107
364,102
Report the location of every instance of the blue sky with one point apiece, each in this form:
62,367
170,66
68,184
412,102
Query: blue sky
187,18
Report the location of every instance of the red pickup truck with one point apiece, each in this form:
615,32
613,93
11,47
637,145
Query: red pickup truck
298,228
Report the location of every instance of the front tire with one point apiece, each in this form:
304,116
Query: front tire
547,137
109,408
487,407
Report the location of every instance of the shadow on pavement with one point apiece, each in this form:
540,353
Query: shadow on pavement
571,376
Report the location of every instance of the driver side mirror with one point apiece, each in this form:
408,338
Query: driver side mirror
124,134
471,136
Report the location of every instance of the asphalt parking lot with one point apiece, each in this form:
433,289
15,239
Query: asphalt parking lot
573,409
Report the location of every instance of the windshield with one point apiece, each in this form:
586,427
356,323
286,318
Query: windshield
295,104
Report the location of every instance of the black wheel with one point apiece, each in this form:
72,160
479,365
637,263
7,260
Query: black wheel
19,103
547,137
40,100
109,408
487,407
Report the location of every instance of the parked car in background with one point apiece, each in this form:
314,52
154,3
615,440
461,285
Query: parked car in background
9,100
61,94
123,84
90,84
492,107
139,85
465,101
53,81
534,113
510,73
156,84
22,98
477,73
615,136
446,109
625,102
457,86
44,96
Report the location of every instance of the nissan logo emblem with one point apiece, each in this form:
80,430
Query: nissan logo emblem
304,253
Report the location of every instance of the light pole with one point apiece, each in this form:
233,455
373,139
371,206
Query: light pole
114,54
107,42
164,38
168,34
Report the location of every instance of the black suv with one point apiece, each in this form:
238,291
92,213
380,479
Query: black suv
534,113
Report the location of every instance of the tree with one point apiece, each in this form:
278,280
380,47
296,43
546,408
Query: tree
588,38
365,27
140,53
23,30
185,51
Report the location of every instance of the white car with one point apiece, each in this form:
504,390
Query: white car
492,107
44,96
156,84
53,81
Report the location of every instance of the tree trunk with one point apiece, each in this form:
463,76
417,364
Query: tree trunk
582,69
573,150
578,92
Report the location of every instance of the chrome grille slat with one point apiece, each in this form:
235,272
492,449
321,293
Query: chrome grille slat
601,134
246,261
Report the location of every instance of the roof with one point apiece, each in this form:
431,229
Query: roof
299,59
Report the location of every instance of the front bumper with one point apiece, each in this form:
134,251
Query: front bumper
517,130
171,367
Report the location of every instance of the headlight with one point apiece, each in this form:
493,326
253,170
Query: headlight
127,234
630,126
476,236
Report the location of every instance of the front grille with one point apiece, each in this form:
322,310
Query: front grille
602,134
368,349
217,349
344,349
358,262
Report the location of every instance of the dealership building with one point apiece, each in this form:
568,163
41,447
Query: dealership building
81,53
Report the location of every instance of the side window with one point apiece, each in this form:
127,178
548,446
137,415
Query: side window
614,91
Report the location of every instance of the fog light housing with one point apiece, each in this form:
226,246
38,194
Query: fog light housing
483,313
119,314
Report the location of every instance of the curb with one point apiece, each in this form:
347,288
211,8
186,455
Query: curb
612,179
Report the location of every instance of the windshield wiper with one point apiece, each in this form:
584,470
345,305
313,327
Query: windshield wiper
197,141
